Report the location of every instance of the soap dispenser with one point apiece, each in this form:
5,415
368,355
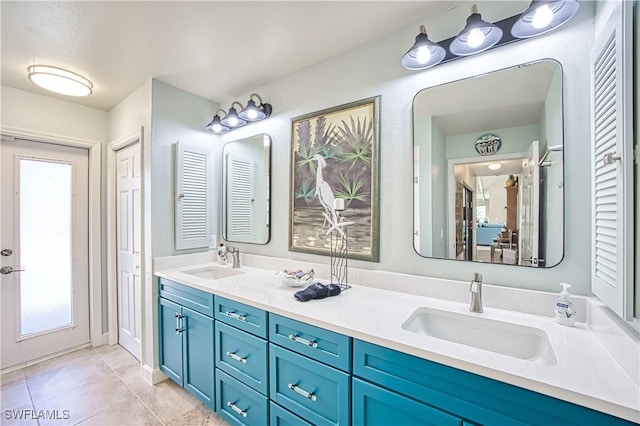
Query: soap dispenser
565,311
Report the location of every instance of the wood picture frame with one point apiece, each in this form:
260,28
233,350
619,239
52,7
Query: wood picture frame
335,154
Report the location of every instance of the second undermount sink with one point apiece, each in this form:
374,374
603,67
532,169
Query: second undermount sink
515,340
213,272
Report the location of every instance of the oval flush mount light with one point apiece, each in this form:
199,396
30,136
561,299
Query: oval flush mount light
424,53
59,80
477,36
494,166
543,16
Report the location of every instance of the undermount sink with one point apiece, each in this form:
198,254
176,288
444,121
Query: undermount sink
519,341
213,273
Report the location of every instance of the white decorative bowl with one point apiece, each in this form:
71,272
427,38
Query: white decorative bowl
291,280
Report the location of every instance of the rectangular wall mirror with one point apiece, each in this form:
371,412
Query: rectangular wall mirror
246,190
488,167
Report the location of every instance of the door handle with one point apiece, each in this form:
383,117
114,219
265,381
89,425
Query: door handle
6,270
6,252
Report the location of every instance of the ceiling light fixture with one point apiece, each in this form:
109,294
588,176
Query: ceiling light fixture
543,16
223,121
424,53
477,36
59,80
494,166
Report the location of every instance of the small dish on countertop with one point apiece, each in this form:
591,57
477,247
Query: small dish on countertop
296,277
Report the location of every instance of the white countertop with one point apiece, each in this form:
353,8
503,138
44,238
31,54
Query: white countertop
586,373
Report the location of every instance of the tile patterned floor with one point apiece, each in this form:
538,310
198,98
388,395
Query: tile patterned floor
101,386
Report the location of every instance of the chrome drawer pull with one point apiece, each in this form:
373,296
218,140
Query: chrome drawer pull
179,328
233,315
238,358
235,408
302,392
299,339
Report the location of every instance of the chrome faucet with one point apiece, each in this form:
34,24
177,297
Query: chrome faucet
235,255
476,293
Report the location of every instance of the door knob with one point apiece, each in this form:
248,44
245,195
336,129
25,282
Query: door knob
6,252
6,270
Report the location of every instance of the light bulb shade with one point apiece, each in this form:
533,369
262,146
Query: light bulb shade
252,112
59,80
423,54
216,126
232,120
543,16
477,36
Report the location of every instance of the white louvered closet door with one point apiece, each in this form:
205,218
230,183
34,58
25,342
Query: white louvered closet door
191,196
240,198
612,177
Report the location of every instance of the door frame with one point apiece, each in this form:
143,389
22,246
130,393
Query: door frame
451,196
95,235
112,285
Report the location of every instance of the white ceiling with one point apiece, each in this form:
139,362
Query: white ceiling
215,49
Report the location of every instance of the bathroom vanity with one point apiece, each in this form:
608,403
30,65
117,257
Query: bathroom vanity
373,356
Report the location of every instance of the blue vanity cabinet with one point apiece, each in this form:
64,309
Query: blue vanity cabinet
467,396
278,416
241,359
376,406
245,317
186,342
238,404
309,373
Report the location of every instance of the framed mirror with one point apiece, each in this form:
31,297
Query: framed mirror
488,167
246,190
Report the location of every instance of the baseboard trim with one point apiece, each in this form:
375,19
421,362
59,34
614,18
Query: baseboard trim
153,375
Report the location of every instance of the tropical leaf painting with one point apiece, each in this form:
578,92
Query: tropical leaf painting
334,154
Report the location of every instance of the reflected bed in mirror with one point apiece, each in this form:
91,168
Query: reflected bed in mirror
488,167
246,190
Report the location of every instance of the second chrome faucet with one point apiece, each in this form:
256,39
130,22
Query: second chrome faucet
476,293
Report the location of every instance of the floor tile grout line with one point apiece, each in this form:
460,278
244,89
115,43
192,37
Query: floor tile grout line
132,391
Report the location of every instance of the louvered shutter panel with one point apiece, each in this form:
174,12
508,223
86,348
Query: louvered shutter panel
191,211
240,198
612,214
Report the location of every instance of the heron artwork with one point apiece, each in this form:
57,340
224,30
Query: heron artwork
326,198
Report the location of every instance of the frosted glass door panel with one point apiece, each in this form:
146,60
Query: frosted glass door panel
46,286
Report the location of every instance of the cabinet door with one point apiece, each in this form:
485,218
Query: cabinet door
170,340
198,355
373,405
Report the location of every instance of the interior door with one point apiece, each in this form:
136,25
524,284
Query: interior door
469,221
530,213
128,233
240,198
44,285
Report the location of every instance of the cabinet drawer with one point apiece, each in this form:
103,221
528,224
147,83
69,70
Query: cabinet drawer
278,416
373,405
244,317
316,392
322,345
242,355
198,300
239,404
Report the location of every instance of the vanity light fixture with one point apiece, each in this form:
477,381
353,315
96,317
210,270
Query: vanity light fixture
543,16
215,125
494,166
424,53
223,121
253,112
232,120
59,80
477,36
